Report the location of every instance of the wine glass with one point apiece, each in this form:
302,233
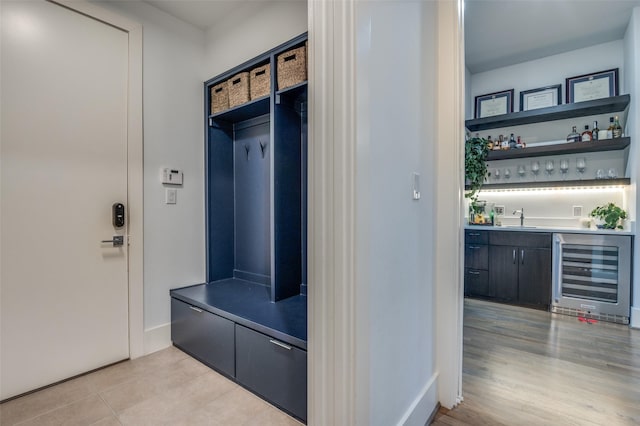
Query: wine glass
521,170
612,173
564,168
581,165
535,169
507,173
496,174
549,166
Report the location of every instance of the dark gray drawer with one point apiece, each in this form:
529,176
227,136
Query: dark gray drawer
275,370
476,282
471,236
520,239
207,337
476,256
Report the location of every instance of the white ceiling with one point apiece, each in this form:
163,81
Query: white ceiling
506,32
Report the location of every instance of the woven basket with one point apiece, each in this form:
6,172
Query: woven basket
238,87
292,67
219,97
260,81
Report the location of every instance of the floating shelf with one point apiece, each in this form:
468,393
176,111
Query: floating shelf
562,148
296,92
558,112
252,109
587,183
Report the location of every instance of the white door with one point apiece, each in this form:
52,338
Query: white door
64,294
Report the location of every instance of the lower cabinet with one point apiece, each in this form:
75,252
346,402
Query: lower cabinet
269,367
272,369
207,337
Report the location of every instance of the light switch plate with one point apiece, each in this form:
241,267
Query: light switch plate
499,210
170,196
577,211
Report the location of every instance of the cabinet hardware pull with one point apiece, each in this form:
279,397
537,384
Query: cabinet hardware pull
474,272
474,234
282,345
193,308
514,256
522,256
473,247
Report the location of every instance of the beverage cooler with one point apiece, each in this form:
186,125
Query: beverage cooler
592,276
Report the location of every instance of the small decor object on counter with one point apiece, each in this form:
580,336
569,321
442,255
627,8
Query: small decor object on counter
592,86
292,67
493,104
574,136
238,86
260,81
219,97
609,215
480,213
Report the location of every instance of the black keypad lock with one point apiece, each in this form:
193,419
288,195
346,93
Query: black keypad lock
117,214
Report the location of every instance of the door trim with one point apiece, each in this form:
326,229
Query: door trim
134,165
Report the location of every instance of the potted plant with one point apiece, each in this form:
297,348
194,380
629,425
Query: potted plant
610,215
476,150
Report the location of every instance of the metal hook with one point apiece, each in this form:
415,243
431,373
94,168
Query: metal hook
263,147
247,148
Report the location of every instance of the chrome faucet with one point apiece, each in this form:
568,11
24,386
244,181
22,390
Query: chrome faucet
521,211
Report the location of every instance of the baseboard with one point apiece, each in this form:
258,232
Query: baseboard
157,338
635,318
423,406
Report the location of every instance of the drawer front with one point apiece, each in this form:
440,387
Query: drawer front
207,337
471,236
476,256
476,282
520,239
275,370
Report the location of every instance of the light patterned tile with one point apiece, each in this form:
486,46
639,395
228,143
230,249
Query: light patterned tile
108,421
272,417
83,412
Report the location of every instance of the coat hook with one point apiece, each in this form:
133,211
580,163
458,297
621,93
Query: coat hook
263,147
247,148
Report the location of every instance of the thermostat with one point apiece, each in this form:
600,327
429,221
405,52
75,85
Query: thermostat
172,176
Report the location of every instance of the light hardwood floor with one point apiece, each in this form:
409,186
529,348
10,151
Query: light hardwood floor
528,367
164,388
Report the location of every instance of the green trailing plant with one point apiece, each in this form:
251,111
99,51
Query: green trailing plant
475,167
610,214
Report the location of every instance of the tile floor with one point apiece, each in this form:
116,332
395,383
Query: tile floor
165,388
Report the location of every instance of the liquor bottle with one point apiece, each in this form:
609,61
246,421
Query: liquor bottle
504,145
497,144
489,143
574,136
512,142
617,128
610,129
594,131
519,143
586,135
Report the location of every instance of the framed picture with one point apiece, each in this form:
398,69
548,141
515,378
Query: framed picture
597,85
494,104
542,97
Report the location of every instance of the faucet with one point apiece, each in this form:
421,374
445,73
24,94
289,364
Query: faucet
521,211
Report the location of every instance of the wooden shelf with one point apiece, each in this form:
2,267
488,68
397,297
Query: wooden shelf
252,109
558,112
562,148
586,183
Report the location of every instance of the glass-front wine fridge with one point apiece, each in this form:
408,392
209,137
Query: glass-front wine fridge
592,276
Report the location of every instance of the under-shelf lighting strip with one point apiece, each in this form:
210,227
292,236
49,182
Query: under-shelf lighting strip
558,190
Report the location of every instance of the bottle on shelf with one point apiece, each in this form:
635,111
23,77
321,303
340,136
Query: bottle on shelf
610,129
504,144
574,136
586,136
519,143
489,143
617,128
594,131
512,142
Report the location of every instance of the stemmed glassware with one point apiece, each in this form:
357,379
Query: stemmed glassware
549,166
535,169
507,173
564,168
496,174
521,171
581,165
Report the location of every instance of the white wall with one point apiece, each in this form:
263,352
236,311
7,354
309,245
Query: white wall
174,251
395,127
251,31
632,82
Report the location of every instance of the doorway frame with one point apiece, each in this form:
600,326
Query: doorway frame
135,270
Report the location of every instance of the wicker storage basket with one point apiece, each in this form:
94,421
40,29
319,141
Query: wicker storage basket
292,67
219,97
238,86
260,81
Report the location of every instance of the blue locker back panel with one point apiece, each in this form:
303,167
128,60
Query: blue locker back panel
252,201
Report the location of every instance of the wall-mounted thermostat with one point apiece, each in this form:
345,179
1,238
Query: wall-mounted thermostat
172,176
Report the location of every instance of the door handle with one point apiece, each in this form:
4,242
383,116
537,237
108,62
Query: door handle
522,257
514,256
282,345
117,241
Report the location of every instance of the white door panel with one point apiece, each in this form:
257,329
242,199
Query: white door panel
64,294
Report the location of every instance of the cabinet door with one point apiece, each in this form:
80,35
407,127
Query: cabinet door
275,370
503,272
203,335
476,256
476,282
534,277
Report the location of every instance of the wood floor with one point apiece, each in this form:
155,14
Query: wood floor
528,367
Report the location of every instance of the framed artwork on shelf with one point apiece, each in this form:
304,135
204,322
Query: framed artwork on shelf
592,86
542,97
493,104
